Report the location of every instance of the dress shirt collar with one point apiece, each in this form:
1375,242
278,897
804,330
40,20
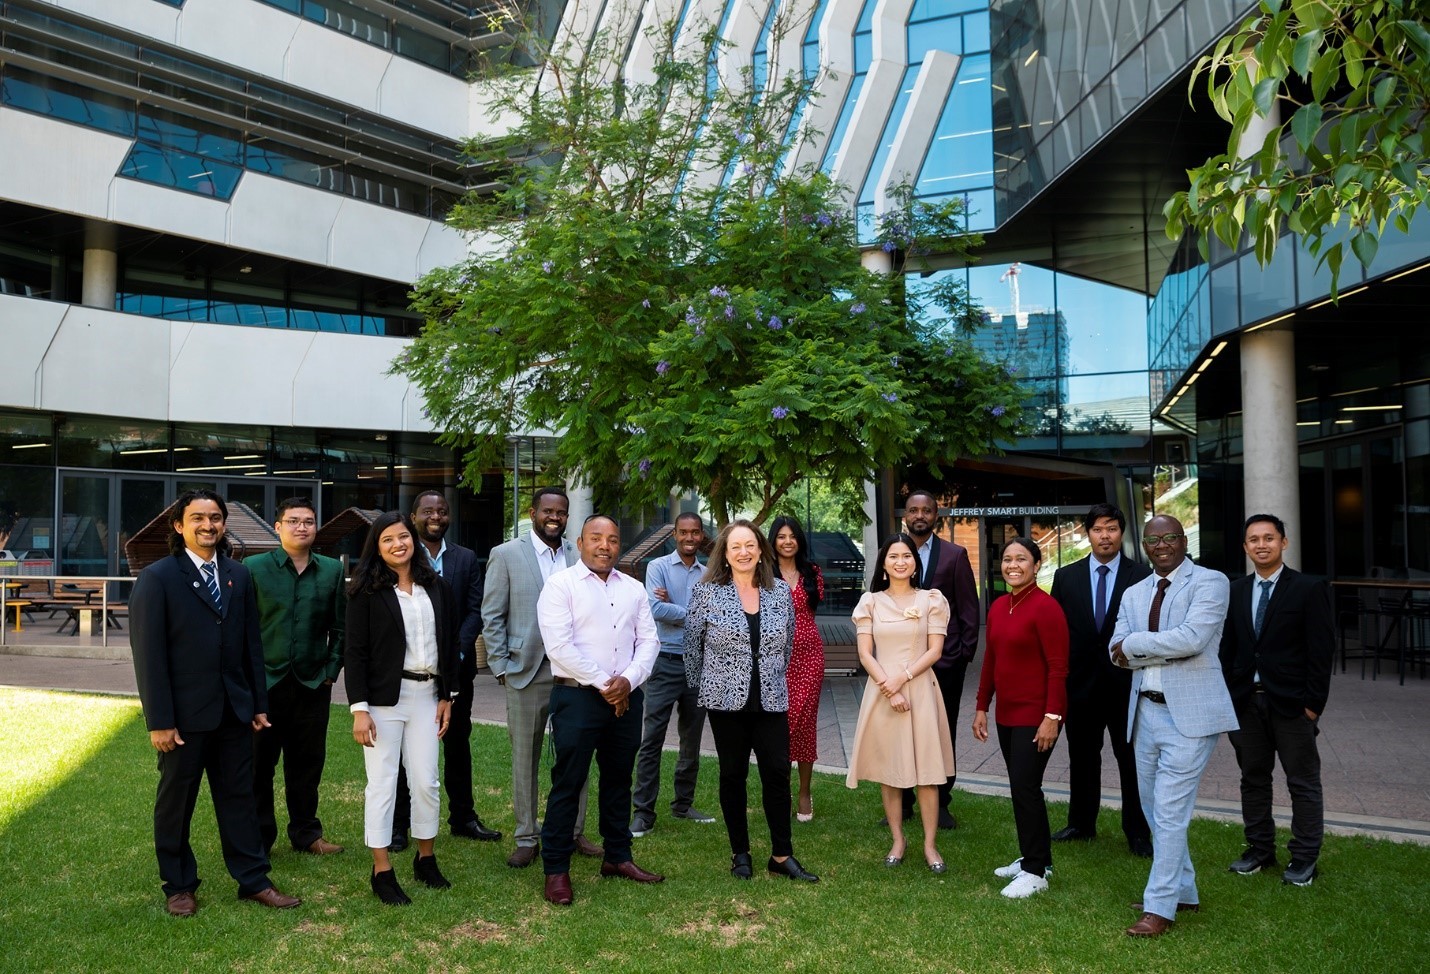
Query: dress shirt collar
199,563
1171,576
1273,578
1112,566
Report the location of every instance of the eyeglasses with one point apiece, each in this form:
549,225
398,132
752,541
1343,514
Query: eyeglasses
1153,540
294,522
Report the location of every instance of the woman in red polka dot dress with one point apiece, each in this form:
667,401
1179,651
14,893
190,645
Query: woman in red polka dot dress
805,674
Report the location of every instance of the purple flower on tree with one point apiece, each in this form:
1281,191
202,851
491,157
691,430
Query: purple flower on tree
719,292
889,247
645,467
997,411
729,311
824,219
891,397
662,367
858,308
645,303
779,412
774,324
546,266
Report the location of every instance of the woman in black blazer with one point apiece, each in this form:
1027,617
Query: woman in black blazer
401,675
739,628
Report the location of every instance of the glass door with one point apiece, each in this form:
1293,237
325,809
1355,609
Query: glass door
84,544
141,499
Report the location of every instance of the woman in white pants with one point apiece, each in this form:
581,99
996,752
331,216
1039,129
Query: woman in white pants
400,669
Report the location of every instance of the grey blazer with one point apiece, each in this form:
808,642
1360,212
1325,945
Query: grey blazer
718,662
514,646
1187,641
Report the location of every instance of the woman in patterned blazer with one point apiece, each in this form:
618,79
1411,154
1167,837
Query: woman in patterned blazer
739,629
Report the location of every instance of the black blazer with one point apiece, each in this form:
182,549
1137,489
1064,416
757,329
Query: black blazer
1088,662
377,644
189,657
462,574
950,571
1295,650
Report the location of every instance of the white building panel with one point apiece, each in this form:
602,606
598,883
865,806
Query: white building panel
377,240
140,204
342,381
423,97
27,327
233,374
441,247
326,62
57,165
273,216
107,363
243,33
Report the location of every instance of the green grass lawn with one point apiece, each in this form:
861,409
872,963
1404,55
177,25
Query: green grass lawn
79,889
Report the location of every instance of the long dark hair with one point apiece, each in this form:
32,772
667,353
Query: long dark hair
807,572
176,516
371,575
881,574
717,568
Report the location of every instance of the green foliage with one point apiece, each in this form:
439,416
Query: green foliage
657,285
1351,80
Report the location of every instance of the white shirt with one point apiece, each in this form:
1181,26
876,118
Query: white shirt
1092,566
1152,672
550,559
595,631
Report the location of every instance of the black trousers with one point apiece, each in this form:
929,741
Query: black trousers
1104,711
950,687
299,734
665,691
1025,781
225,754
584,726
456,760
1266,735
737,733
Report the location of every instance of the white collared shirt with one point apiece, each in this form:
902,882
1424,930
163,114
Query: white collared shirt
550,559
1152,671
1112,566
419,625
199,563
435,560
596,630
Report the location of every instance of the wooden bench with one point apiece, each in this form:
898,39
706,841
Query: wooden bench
80,602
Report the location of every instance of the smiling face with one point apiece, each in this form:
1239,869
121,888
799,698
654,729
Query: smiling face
297,528
920,515
202,524
689,536
1106,538
899,562
395,546
742,551
432,518
548,518
1165,543
1019,567
786,544
1265,546
600,545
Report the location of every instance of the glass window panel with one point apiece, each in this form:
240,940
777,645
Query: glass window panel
1166,49
221,451
32,92
975,33
935,35
27,516
113,444
961,153
180,170
1106,325
414,44
1269,291
1225,313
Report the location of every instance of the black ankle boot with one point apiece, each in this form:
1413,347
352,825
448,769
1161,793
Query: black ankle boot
424,868
791,868
384,884
742,866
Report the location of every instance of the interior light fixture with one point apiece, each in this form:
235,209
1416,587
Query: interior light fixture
1031,57
28,446
1371,409
1411,271
1344,295
1270,321
1217,351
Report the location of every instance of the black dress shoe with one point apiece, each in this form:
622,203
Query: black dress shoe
1071,834
1141,847
791,868
946,820
424,869
742,866
399,841
473,828
384,884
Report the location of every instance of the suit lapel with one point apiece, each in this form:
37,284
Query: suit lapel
388,596
528,558
1278,599
932,568
195,579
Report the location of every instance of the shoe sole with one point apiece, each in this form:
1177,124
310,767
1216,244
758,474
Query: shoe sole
1249,872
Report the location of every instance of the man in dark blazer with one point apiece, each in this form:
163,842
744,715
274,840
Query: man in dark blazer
198,662
458,566
1090,592
1276,654
945,567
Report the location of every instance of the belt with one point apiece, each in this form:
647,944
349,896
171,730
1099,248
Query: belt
419,677
566,681
665,655
1153,695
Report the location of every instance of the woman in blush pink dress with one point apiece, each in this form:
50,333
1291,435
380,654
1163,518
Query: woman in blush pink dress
805,676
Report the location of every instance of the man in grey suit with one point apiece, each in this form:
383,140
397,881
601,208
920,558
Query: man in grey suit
516,572
1168,633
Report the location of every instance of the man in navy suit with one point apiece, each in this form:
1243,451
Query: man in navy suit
198,662
458,566
1090,592
1276,654
946,567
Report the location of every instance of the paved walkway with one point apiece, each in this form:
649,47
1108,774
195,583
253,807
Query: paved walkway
1375,736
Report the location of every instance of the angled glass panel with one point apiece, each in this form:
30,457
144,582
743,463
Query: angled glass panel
180,170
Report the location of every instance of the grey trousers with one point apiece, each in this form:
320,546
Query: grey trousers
666,691
527,709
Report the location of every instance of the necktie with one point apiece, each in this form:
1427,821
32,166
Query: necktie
211,580
1099,602
1154,617
1261,607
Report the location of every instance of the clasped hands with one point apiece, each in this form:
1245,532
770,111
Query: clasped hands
890,687
617,693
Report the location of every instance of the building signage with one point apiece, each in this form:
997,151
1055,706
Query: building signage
1014,511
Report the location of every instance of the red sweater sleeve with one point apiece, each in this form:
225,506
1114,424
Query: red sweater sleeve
1052,628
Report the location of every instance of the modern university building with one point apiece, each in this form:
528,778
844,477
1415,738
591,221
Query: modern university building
211,212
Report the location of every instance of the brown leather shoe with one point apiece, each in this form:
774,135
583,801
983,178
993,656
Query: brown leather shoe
558,889
1151,925
1181,907
182,905
523,856
322,847
588,848
273,899
629,870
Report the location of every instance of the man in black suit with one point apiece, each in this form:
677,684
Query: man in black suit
198,662
1090,592
1276,654
946,568
458,565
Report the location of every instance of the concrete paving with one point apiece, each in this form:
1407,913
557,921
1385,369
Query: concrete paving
1375,735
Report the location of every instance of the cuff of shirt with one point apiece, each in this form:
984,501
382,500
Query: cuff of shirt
359,707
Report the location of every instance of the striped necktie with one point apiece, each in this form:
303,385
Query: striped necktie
1261,607
210,574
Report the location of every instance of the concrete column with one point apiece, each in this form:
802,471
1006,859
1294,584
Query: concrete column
1271,460
581,508
101,265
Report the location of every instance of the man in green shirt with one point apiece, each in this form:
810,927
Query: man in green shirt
301,605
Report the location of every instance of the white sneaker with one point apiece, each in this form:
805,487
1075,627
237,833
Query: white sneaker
1024,885
1014,868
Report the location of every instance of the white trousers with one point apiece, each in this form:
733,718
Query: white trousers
406,732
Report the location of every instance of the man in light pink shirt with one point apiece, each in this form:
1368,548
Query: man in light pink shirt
601,640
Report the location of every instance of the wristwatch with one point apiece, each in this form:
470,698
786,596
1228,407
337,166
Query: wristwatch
1057,717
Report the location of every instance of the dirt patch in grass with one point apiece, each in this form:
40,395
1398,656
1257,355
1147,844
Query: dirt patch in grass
326,929
481,931
742,924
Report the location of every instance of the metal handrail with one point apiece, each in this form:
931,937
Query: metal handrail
104,599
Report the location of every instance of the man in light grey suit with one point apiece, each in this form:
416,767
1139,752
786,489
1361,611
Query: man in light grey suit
1168,633
516,572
